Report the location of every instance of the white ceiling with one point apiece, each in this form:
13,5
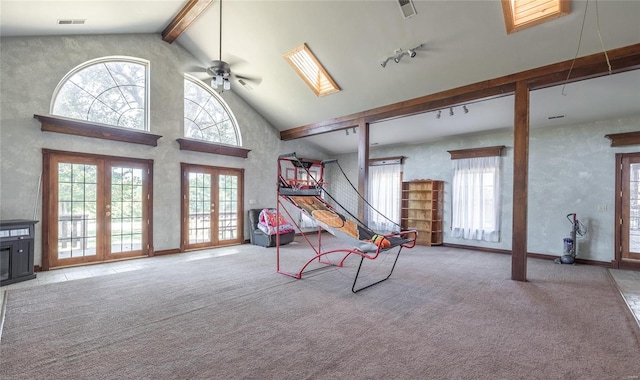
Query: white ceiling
464,42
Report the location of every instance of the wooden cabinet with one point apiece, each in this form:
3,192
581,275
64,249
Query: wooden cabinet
422,209
16,251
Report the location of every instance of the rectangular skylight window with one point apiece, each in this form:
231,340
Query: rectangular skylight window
311,71
521,14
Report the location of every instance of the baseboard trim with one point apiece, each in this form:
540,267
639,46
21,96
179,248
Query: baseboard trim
529,254
628,264
167,252
476,248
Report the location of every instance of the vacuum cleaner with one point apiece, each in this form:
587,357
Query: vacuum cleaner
570,245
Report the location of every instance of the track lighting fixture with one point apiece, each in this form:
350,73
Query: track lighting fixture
451,112
398,54
354,130
347,131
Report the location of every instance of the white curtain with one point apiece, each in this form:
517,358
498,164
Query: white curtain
476,198
384,195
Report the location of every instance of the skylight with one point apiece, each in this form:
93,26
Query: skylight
521,14
311,71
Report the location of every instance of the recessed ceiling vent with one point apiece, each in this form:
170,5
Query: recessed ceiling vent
72,22
407,8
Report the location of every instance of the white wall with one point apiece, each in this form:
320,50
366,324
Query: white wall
30,69
571,170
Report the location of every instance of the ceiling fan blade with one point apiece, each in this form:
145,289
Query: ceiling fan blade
253,79
234,60
198,72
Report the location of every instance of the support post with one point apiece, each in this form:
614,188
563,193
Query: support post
520,182
363,167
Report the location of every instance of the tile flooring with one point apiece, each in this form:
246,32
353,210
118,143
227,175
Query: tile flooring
628,282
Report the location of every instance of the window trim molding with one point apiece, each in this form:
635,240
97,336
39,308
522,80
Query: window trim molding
212,148
58,124
564,8
315,84
489,151
624,139
396,160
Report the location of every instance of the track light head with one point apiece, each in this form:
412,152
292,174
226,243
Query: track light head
411,52
383,62
465,109
398,55
451,111
438,114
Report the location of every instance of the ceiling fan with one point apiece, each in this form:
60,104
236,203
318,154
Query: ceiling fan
220,71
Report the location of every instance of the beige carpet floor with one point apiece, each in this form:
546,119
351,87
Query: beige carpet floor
444,314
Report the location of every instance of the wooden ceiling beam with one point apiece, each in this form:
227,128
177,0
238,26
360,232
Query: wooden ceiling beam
184,18
595,65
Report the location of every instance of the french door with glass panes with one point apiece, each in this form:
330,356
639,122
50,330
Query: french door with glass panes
95,208
628,211
211,206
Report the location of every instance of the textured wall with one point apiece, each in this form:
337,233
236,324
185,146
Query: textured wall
571,170
30,69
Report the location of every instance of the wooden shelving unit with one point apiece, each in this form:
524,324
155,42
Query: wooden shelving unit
422,209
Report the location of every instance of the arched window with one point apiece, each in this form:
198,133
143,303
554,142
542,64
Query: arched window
107,90
206,115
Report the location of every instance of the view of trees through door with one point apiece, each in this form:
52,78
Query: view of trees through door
628,210
211,206
97,208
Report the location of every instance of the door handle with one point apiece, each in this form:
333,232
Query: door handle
108,213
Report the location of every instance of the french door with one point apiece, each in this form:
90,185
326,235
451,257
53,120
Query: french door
211,206
628,211
95,208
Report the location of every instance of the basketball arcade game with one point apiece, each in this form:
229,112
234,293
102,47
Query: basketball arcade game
301,184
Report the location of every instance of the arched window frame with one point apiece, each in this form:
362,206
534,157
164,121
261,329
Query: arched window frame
106,59
215,96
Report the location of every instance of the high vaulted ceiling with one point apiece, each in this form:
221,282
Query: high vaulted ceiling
464,42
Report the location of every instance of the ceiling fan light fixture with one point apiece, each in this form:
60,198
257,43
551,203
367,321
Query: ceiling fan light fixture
220,69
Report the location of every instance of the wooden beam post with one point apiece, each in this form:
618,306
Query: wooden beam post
363,166
184,18
520,182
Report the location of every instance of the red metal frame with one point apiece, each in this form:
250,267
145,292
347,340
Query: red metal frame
319,253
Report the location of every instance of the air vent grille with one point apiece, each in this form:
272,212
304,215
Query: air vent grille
406,8
72,22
